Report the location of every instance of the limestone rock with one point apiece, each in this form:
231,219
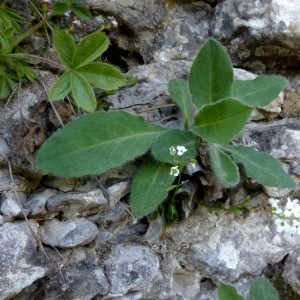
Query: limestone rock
20,263
130,267
67,234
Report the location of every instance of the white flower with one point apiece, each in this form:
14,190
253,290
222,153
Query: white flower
172,151
68,13
181,150
296,227
275,209
282,225
174,171
291,206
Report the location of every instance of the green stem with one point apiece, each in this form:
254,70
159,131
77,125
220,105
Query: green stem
30,31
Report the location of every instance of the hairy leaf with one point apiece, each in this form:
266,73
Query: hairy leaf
263,289
90,48
259,91
149,187
224,168
174,137
102,75
95,143
64,45
61,88
82,92
261,166
228,292
221,121
211,74
180,94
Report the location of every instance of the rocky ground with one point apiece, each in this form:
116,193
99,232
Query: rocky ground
80,240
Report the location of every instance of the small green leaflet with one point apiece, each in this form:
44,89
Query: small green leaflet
224,168
221,121
95,143
211,74
180,94
150,187
263,289
228,292
261,166
174,137
259,91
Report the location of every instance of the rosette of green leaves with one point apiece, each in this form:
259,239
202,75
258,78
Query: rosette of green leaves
81,69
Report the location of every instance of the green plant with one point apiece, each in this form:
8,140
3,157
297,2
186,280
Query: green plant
261,289
215,109
81,69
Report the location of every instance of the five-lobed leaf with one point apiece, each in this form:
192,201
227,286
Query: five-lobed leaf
64,45
221,121
258,92
224,168
261,166
172,138
89,48
180,94
211,74
150,187
95,143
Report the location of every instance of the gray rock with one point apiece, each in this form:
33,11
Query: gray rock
20,263
81,281
74,204
130,267
67,234
21,184
10,206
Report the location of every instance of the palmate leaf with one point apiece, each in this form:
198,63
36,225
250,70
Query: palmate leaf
64,45
224,168
95,143
180,94
259,91
221,121
150,187
90,48
263,289
82,92
261,166
211,74
102,75
175,137
228,292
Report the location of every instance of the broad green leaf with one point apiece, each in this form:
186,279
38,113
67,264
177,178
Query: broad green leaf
61,88
175,137
180,94
259,91
228,292
81,12
90,48
82,92
64,45
211,74
261,166
221,121
102,75
149,187
263,289
60,7
224,168
95,143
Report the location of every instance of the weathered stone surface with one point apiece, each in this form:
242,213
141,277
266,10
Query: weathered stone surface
20,263
259,33
67,234
10,206
130,267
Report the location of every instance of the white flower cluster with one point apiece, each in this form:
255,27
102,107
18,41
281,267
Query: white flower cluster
179,150
287,220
